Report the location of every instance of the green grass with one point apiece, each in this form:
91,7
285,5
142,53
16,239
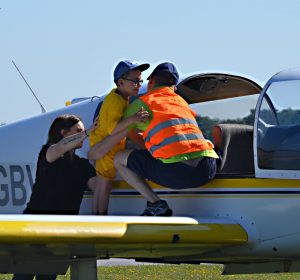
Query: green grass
165,272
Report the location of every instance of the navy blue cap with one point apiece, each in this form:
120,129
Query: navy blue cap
128,65
167,67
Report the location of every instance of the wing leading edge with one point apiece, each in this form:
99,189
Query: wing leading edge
39,238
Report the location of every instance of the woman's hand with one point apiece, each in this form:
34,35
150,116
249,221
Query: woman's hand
141,116
92,127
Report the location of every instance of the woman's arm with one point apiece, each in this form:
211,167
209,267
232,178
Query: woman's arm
68,143
64,145
140,116
100,149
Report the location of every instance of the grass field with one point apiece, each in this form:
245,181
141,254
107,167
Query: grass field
165,272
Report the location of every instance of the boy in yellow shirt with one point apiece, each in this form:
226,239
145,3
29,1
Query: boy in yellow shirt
127,76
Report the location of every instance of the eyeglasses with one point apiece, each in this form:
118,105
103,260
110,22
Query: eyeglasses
136,82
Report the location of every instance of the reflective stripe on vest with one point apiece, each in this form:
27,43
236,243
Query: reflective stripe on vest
176,138
173,129
168,123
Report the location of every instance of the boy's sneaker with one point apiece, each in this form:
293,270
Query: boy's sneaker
159,208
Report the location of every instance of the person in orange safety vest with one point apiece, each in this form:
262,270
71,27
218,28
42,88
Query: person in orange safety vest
176,154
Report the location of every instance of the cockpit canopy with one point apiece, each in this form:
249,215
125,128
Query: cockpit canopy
209,87
278,125
273,126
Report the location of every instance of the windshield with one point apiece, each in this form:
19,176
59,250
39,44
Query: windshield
278,141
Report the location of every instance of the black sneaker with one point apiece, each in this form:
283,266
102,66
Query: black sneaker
159,208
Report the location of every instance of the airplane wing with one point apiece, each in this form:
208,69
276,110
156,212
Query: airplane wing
48,243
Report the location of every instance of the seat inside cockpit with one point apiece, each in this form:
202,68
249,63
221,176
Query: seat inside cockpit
225,106
234,144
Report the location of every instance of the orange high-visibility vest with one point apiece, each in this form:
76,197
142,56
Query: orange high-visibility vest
173,129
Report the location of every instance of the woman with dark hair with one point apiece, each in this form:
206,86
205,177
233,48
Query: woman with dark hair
61,176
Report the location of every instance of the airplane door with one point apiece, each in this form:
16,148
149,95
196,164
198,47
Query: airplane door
277,128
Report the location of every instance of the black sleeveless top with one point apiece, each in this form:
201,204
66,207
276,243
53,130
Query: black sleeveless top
59,186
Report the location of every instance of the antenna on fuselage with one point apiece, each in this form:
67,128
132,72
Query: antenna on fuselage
42,107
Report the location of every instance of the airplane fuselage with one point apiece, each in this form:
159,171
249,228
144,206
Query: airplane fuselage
241,218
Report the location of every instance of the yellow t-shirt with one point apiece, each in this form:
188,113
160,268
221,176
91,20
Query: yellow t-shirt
111,113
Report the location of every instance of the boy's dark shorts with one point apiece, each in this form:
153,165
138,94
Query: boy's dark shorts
172,175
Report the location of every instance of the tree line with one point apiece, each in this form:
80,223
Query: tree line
285,117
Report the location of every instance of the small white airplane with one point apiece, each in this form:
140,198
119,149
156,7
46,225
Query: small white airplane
246,218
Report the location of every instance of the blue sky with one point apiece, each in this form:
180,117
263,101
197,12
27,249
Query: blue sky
68,49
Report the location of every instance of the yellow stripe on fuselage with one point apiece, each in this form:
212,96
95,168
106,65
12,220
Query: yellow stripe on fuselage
240,183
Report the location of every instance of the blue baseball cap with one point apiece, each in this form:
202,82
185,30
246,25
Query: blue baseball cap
166,67
128,65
